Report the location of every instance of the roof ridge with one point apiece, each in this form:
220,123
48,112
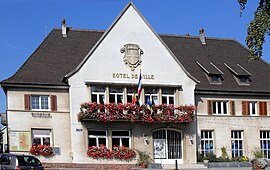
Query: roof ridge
81,29
160,34
189,36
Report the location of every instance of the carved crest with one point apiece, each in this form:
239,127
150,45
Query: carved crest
132,56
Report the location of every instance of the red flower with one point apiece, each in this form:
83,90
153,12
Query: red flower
132,112
44,150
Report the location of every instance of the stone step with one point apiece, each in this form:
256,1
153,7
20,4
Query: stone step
184,166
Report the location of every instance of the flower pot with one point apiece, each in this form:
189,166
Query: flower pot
259,164
205,161
143,166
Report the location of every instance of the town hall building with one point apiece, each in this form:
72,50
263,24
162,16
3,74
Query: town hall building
196,96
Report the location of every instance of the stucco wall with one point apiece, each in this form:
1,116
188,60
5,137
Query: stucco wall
58,122
139,132
222,125
107,59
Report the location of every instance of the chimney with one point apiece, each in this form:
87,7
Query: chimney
64,28
202,37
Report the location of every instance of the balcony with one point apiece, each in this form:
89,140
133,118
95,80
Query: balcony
132,112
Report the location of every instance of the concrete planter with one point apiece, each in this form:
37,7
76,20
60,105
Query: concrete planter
228,164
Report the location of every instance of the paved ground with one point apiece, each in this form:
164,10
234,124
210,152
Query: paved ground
231,168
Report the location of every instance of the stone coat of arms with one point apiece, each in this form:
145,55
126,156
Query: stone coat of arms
132,56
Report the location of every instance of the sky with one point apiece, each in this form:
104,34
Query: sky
25,23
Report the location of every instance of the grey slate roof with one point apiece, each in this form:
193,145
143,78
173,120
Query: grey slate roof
58,56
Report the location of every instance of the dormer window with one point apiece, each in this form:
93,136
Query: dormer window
214,79
242,80
241,75
213,73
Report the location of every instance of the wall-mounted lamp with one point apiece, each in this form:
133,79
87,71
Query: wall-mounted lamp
146,142
190,140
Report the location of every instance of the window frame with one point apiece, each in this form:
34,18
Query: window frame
167,94
116,94
206,142
98,137
250,106
215,107
266,141
235,139
40,102
98,94
211,78
122,137
41,136
242,83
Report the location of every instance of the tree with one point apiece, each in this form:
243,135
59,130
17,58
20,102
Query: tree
258,27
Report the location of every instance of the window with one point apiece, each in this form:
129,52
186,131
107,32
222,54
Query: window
25,160
214,78
41,136
242,80
121,138
265,143
116,95
220,107
97,137
237,143
168,96
39,102
5,160
151,94
98,94
207,142
253,108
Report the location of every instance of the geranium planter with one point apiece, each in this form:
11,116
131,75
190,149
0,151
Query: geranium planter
132,112
103,152
42,150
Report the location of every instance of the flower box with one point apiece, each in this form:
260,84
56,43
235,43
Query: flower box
132,112
103,152
42,150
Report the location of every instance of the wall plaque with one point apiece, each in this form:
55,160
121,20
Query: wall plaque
132,56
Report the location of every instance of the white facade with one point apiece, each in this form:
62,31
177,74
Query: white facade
105,63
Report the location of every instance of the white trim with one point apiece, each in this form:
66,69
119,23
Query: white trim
170,161
222,110
41,136
236,139
122,137
98,136
39,102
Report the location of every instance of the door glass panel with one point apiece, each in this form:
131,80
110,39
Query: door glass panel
167,144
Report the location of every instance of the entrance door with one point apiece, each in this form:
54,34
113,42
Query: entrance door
167,146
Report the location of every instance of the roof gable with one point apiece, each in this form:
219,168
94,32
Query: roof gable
130,28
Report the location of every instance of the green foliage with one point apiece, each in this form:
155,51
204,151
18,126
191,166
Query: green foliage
210,156
258,27
257,153
223,158
144,158
240,159
224,154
